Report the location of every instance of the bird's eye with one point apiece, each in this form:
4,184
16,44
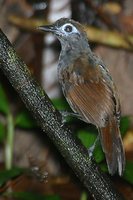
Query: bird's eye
68,28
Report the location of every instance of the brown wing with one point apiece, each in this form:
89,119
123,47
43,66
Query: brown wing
92,101
90,97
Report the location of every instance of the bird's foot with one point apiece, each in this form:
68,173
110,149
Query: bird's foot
92,148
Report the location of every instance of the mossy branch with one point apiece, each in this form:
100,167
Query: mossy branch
50,121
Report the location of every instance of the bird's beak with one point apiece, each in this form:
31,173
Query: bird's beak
48,28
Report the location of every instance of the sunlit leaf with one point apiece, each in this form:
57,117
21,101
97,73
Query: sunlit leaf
24,120
4,104
88,140
32,196
6,175
2,132
128,174
124,125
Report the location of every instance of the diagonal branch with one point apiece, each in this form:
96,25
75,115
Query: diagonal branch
49,119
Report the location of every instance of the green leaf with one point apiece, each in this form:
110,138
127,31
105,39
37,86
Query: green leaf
4,104
98,154
61,104
32,196
6,175
128,174
2,132
88,140
104,167
24,120
124,125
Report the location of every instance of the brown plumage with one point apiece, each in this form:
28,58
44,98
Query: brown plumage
89,89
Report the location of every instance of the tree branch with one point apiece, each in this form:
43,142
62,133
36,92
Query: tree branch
49,119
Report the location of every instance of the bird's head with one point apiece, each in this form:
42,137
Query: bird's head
67,31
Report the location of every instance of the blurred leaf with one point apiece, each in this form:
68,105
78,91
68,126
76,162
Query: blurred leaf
61,104
2,132
98,154
32,196
6,175
88,140
84,195
124,125
24,120
128,174
104,167
4,104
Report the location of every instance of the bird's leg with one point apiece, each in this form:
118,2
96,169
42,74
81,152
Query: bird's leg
92,148
66,114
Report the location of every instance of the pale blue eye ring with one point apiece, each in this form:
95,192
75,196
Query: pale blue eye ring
68,29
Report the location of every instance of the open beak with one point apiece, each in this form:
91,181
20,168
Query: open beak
48,28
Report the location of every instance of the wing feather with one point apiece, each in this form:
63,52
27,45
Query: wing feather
93,101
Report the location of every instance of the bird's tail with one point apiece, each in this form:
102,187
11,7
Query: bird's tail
112,146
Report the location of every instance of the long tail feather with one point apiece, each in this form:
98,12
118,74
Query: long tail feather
112,146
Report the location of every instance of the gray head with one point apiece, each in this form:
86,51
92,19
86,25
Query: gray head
67,31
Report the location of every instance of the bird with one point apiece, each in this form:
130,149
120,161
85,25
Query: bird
89,88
